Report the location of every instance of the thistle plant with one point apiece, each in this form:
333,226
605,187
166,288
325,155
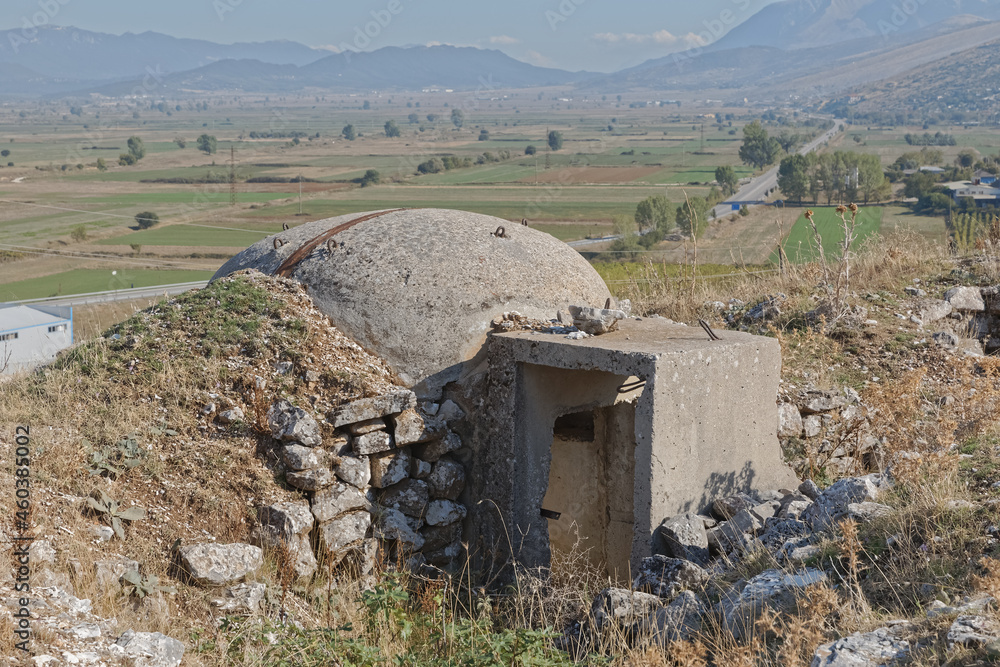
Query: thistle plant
142,586
107,506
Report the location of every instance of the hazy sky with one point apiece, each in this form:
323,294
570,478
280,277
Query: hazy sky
601,35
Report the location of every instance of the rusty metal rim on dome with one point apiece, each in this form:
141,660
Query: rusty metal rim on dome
286,268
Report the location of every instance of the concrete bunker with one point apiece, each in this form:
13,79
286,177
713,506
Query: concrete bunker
614,432
678,420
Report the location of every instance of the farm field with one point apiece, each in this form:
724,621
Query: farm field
61,213
85,281
189,235
800,244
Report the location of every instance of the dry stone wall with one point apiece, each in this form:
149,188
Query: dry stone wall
385,479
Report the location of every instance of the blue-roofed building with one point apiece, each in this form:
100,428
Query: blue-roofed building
983,177
32,336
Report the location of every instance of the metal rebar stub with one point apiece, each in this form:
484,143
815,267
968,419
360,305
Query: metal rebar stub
711,334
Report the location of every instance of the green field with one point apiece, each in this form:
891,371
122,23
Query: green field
212,194
189,235
85,281
800,245
535,209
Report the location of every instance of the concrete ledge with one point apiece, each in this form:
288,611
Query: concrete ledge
686,419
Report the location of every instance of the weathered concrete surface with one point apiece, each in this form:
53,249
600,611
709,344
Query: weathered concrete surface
704,427
386,278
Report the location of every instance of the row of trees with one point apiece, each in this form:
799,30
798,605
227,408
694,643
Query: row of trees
392,131
841,176
436,165
656,217
137,149
928,139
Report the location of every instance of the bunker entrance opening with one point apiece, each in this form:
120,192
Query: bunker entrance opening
590,484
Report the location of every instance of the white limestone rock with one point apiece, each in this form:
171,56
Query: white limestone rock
973,631
291,424
410,427
393,525
444,512
619,606
968,299
338,499
410,497
683,536
311,480
771,589
218,564
389,468
372,408
880,648
447,479
354,470
149,649
789,421
298,457
375,442
433,451
667,577
241,599
337,536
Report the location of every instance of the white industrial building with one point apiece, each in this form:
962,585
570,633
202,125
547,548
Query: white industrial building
31,336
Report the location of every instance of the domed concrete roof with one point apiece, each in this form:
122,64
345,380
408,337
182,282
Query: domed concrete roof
419,287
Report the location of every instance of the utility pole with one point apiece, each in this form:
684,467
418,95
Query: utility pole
300,194
232,176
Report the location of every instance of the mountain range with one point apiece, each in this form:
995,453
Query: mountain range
805,24
791,47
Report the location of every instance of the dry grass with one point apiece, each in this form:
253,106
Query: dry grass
884,262
206,480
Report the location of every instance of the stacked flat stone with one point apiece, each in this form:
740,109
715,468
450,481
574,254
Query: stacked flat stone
386,475
832,427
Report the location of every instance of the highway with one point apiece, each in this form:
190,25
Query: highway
757,189
116,295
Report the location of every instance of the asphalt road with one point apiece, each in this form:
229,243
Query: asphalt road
756,190
118,295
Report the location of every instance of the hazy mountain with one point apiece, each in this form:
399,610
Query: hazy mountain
15,74
968,80
458,68
762,71
801,24
71,53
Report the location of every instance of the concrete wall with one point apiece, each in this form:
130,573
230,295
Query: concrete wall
703,425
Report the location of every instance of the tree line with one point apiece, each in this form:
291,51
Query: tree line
843,176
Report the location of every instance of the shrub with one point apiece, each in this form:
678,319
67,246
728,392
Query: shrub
146,219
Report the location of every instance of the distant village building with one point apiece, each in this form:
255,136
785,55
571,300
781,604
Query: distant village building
33,335
983,194
983,177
